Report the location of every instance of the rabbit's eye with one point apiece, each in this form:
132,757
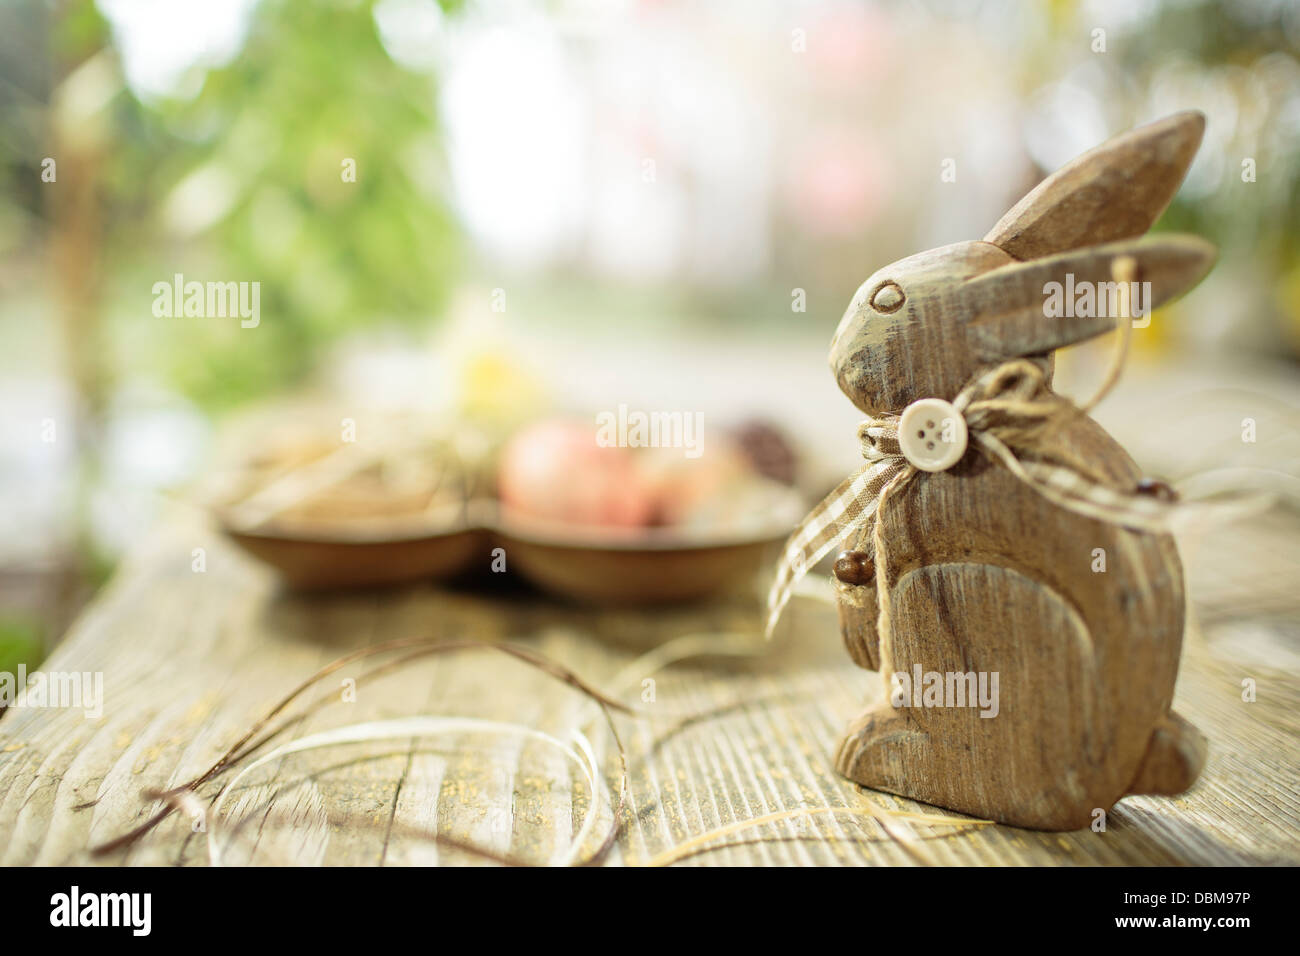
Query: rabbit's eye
888,297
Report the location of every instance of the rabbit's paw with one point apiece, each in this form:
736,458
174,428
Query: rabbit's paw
858,611
1173,760
872,753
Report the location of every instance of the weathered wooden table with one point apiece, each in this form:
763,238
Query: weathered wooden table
191,659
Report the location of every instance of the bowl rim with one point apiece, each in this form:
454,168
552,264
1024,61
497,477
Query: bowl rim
506,528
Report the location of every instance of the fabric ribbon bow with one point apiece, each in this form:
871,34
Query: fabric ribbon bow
1007,409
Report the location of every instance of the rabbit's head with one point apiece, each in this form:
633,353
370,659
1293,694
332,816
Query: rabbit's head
924,325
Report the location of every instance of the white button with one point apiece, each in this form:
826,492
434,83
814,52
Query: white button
932,434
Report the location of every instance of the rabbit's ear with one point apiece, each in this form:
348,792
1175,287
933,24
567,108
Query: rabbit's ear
1028,308
1116,191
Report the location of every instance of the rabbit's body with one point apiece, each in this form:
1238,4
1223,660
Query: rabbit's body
986,575
986,579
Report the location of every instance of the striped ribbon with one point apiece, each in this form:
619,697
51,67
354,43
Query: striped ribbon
1007,411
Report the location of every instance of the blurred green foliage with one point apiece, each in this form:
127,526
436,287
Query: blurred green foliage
20,644
250,181
1265,219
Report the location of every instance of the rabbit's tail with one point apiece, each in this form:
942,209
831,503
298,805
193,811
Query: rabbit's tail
1173,760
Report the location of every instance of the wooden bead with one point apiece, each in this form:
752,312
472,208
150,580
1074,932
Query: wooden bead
854,567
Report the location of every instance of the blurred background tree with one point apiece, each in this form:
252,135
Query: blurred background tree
310,163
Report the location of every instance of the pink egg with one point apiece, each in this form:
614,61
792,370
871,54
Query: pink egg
555,470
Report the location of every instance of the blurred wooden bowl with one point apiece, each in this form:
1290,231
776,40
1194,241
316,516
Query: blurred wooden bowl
655,567
593,565
359,558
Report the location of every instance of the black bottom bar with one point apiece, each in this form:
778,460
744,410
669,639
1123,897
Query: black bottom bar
944,906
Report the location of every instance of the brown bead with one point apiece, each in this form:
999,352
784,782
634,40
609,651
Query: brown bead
1156,489
854,567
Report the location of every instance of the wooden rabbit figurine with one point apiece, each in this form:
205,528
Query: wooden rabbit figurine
985,575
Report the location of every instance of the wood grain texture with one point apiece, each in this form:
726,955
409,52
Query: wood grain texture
190,658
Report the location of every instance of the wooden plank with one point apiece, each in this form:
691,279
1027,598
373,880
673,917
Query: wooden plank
190,659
